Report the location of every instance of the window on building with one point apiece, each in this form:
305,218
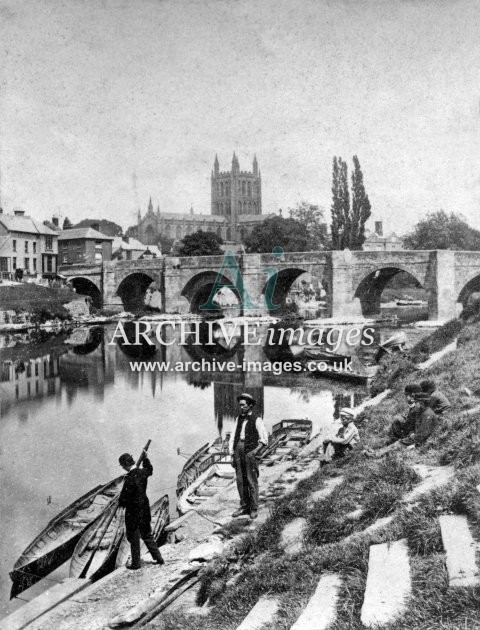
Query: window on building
65,259
35,265
26,265
49,242
14,245
243,188
34,248
249,189
4,263
14,263
49,263
26,247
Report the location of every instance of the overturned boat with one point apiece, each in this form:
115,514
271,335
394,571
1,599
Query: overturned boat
56,542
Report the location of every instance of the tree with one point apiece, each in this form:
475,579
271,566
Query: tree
109,228
312,217
201,244
439,230
289,234
67,224
348,222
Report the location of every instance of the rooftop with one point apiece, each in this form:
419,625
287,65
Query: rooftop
83,233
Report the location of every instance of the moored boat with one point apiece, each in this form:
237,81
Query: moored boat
203,458
160,512
56,542
95,552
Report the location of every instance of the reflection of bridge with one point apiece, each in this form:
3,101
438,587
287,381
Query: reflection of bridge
354,281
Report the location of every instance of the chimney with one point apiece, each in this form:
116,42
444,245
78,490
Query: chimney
95,226
55,221
379,228
18,212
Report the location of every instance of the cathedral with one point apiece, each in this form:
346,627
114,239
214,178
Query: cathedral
236,208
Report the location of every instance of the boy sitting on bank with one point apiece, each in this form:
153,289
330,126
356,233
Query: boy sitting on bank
346,440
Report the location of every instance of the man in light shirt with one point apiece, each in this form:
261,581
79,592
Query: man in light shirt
246,440
346,439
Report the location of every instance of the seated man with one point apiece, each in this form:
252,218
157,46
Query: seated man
427,420
403,426
439,403
346,439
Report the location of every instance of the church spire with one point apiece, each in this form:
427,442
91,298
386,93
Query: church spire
150,205
235,165
255,165
216,167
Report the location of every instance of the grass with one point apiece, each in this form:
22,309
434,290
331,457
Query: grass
334,542
32,298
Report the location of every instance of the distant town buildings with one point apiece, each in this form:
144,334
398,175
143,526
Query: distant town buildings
129,248
85,246
26,246
376,242
236,208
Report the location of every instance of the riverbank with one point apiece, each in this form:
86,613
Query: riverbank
371,498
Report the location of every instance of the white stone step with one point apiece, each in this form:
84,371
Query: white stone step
291,539
460,549
321,610
388,583
262,613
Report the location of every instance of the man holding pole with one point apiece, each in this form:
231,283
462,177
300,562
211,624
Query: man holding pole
133,498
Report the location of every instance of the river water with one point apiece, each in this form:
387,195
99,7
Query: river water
67,413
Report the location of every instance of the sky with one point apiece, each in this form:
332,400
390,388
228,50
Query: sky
106,103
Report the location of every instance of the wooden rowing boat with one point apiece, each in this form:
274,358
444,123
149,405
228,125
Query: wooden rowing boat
205,456
56,542
160,511
95,552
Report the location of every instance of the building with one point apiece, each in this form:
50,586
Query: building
377,242
236,208
83,246
27,245
129,248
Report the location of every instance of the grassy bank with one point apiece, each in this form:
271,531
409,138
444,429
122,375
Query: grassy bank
333,541
32,298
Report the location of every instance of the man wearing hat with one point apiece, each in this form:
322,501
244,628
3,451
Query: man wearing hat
404,426
427,420
346,439
438,401
133,498
246,440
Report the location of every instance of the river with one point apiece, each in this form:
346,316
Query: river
67,413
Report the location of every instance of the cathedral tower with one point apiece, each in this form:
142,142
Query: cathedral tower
236,194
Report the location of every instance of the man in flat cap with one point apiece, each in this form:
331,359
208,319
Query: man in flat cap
133,498
439,403
246,440
346,439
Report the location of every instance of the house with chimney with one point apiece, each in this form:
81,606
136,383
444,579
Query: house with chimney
84,246
376,241
27,246
129,248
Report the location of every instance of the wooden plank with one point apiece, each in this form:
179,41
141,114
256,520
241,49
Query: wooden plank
460,549
321,610
388,583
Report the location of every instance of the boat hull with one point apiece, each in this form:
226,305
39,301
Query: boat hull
33,565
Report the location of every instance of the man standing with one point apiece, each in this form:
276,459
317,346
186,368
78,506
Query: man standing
245,443
133,498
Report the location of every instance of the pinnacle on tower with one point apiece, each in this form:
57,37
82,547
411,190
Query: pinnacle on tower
150,205
235,165
255,165
216,167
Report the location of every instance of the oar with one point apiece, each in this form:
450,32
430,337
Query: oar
110,519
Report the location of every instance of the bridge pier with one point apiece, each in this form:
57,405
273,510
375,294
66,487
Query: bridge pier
441,286
111,300
253,301
343,300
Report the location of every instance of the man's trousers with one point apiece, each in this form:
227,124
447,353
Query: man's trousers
143,531
246,469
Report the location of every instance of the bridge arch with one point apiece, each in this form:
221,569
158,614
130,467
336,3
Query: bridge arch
86,286
284,280
369,290
132,289
198,289
472,286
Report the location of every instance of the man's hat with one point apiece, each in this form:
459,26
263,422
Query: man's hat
412,388
126,460
249,399
346,411
427,386
422,397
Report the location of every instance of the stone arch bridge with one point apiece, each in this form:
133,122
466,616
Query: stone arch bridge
354,281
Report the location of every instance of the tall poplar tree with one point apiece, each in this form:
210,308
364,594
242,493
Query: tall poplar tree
348,221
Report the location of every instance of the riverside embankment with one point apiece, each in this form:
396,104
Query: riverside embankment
331,521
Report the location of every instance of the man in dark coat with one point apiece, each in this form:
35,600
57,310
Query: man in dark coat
438,402
133,498
404,426
245,444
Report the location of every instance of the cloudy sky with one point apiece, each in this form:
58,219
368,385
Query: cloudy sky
104,103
